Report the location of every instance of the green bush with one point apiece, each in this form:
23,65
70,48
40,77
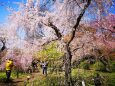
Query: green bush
2,76
112,66
98,66
111,79
85,65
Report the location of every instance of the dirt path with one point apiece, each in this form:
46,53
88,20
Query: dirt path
20,81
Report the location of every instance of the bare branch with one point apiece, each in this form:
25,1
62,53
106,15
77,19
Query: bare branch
78,4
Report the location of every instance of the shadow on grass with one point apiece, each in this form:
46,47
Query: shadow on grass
3,80
9,83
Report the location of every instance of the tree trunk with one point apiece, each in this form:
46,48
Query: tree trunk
67,63
68,55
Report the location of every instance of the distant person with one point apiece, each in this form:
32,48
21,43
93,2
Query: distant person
9,65
34,64
97,80
44,66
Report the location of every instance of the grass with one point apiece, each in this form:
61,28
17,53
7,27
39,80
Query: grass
57,79
13,75
52,79
108,79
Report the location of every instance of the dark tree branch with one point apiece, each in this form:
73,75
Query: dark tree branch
78,4
4,46
58,34
113,27
57,31
78,48
112,31
78,20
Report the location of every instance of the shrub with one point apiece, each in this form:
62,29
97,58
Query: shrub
112,66
2,76
85,65
98,66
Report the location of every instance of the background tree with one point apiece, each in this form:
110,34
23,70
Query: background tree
56,18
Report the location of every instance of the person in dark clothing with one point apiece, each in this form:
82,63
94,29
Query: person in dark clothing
34,65
97,80
44,67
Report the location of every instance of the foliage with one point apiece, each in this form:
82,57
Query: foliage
50,80
58,17
110,79
49,52
77,76
87,75
56,66
112,66
98,66
13,75
85,65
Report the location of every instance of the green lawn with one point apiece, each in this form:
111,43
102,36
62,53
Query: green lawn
57,79
13,75
108,79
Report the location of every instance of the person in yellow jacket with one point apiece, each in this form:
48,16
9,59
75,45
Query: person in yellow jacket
9,65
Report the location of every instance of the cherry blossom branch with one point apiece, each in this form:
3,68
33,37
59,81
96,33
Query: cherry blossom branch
57,31
78,20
